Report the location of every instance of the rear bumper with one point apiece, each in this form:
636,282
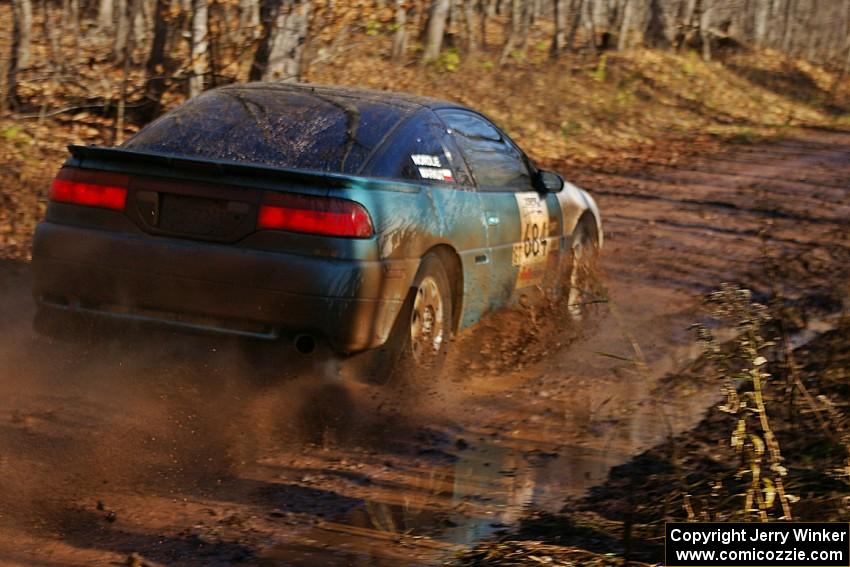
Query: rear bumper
348,303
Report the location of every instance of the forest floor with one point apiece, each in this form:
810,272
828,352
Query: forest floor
163,450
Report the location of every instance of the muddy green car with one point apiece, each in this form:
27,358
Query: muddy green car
320,215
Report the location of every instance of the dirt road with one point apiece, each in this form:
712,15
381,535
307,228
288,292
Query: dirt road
162,449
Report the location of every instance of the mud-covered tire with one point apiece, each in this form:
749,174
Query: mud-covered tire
419,340
583,291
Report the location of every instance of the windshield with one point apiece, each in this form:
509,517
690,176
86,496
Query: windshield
274,126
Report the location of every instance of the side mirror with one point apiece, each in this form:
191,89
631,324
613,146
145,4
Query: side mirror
549,182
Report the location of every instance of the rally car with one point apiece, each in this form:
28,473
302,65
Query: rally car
343,217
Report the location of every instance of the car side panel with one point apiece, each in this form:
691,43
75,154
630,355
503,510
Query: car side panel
524,233
408,225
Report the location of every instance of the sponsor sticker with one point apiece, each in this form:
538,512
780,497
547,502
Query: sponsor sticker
426,160
531,252
440,174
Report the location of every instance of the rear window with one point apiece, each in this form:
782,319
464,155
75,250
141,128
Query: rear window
421,150
273,126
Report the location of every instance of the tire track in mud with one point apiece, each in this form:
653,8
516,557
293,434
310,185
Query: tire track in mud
167,447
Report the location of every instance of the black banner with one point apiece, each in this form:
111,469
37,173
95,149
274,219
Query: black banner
804,544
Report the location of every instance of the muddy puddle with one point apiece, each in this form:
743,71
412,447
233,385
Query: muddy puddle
472,483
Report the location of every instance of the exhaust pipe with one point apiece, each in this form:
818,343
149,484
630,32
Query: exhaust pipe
305,344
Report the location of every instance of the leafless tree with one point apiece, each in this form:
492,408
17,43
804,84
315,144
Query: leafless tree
588,18
201,43
705,19
400,36
14,64
199,46
514,31
559,37
155,65
624,34
49,31
22,20
105,14
436,30
471,31
121,31
287,41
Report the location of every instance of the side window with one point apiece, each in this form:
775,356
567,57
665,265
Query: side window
421,151
496,164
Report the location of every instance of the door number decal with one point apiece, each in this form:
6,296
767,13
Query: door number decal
531,252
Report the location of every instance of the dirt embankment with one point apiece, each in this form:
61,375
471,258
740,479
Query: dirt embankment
165,448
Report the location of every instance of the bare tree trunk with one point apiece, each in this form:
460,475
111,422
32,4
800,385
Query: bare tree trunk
813,36
213,26
760,19
11,99
65,22
485,7
140,27
626,25
249,19
288,37
686,23
576,8
773,17
118,133
436,30
23,16
449,37
590,25
49,32
199,47
75,25
400,37
121,32
559,37
268,15
787,28
527,9
704,25
105,14
656,34
514,32
469,19
155,70
845,68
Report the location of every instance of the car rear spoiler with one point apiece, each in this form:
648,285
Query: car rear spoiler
223,167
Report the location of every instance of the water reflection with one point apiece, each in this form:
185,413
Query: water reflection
426,514
473,483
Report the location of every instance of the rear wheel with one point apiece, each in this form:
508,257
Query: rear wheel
419,340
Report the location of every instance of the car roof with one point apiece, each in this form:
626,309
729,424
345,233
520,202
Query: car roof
406,102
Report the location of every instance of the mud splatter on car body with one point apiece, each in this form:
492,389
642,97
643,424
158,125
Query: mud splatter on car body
268,209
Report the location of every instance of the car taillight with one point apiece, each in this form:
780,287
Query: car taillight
90,188
314,215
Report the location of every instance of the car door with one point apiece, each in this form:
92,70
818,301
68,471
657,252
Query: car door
522,223
422,151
